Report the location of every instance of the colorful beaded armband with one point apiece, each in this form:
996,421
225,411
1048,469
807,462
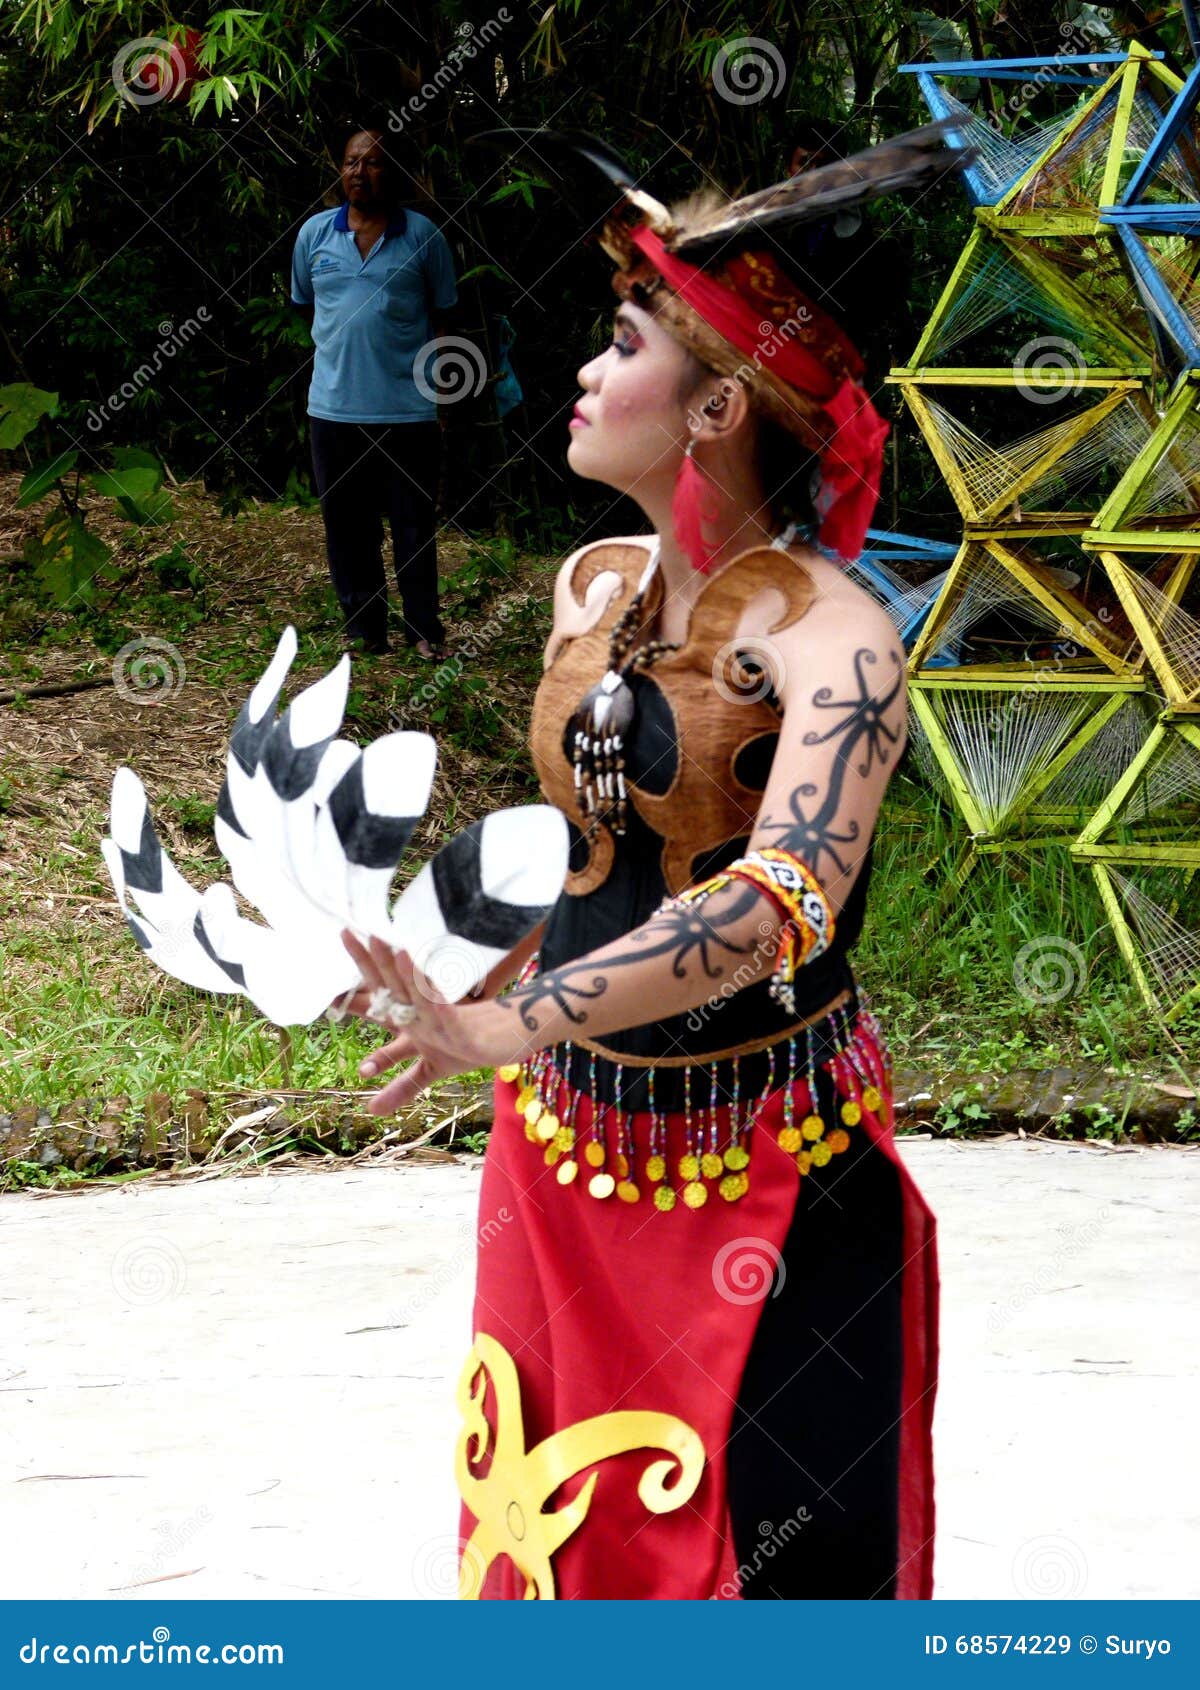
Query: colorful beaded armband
808,921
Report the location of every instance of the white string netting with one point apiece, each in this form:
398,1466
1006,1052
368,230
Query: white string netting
1094,269
1177,629
1167,792
903,600
1176,259
993,286
923,754
1071,178
985,587
1001,740
1095,769
1172,488
1174,179
1001,158
990,471
1170,948
1104,452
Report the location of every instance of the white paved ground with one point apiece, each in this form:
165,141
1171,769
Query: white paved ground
244,1387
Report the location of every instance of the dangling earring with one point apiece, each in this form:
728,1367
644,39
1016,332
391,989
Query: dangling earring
693,504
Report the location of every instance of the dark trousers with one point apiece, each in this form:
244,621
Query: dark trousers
364,472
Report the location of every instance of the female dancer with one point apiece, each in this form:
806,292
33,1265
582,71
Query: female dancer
705,1329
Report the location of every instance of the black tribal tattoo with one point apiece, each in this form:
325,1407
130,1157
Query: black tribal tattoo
674,932
812,836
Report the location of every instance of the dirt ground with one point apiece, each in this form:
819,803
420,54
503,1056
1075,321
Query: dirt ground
244,1387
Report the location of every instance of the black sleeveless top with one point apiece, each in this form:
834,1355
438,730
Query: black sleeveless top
632,891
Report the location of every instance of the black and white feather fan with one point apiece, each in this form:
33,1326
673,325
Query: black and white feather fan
313,828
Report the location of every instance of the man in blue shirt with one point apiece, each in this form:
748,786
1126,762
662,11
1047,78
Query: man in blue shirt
374,282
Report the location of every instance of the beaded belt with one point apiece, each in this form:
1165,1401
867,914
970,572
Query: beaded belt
717,1139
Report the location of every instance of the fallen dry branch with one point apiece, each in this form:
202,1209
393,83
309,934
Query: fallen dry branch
54,689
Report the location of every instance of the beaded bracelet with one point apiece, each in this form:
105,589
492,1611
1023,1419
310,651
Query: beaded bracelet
808,919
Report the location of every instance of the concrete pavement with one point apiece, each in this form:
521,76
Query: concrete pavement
244,1387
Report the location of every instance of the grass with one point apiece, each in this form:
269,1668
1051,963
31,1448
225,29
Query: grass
946,984
83,1016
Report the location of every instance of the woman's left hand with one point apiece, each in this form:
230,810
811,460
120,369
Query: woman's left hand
444,1038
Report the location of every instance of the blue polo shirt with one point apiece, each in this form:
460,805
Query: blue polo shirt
371,315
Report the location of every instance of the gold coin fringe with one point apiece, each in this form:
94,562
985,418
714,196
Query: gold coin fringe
603,1158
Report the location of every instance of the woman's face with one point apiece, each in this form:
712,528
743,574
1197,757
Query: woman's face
630,426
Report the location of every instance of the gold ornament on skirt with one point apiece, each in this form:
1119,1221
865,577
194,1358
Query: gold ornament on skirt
509,1502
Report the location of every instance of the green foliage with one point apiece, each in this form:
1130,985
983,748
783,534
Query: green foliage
67,560
175,569
960,1112
22,406
42,477
128,216
194,815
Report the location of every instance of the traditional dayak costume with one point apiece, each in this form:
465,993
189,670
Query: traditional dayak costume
705,1328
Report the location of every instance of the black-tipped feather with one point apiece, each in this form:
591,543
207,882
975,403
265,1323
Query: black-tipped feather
565,151
913,161
907,162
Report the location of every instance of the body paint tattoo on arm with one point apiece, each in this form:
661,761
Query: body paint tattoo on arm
695,939
810,834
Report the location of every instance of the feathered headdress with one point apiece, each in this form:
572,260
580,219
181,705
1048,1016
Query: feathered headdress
716,277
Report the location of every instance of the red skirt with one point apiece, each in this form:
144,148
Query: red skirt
604,1399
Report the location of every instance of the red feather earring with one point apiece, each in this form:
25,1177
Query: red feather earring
694,504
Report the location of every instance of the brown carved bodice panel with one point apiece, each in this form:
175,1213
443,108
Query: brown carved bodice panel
715,716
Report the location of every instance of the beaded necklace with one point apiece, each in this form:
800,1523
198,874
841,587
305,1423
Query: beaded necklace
604,715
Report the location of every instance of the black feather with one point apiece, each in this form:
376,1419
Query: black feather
567,153
907,162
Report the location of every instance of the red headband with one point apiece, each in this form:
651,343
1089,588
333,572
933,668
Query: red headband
852,458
